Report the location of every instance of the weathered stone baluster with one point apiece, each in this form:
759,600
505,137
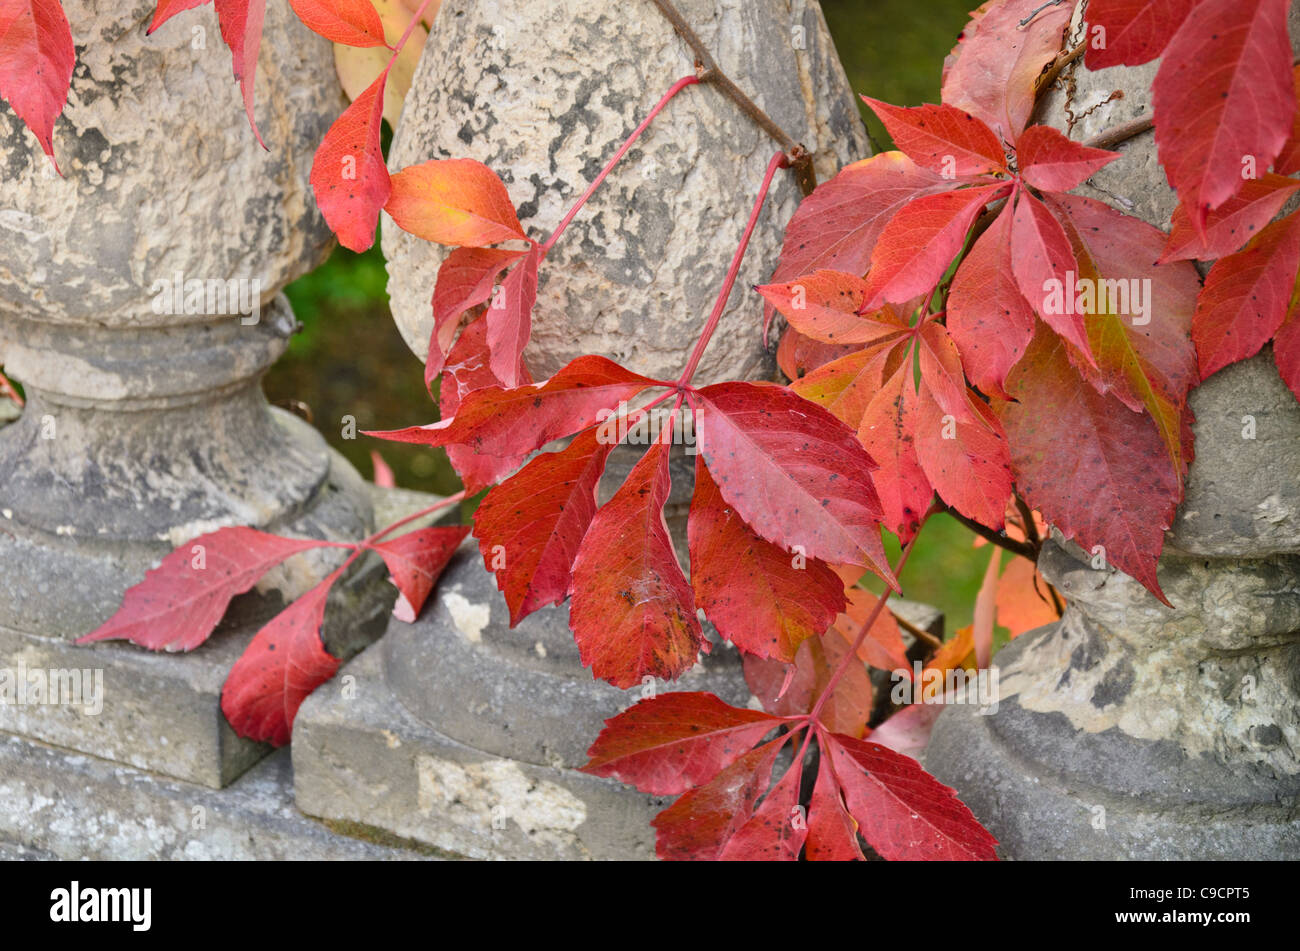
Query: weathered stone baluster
1130,730
139,306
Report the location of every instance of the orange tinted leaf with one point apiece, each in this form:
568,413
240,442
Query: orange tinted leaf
350,22
1022,599
824,305
453,201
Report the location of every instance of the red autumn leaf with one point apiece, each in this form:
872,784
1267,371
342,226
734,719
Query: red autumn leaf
966,459
468,369
832,832
992,71
1286,350
1143,353
921,240
279,669
943,139
1041,257
1246,296
453,201
988,318
1232,224
941,369
902,811
824,305
1096,470
836,227
179,603
668,744
777,829
698,826
530,526
1050,161
510,317
886,430
1223,97
793,472
241,28
758,596
415,560
466,279
348,175
1288,160
36,61
1132,32
633,612
167,9
500,422
350,22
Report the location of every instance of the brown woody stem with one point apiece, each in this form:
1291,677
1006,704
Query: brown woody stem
710,72
919,633
1023,549
1120,133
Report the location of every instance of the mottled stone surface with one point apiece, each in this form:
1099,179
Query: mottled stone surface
60,805
146,117
364,757
521,693
544,91
1130,729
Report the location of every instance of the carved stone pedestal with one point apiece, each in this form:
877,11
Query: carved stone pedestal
1129,730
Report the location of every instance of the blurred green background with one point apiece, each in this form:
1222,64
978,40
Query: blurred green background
350,360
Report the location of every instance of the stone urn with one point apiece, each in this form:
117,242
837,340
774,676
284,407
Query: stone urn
544,92
140,306
1129,729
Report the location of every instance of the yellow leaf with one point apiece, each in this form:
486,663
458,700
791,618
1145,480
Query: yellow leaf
358,68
